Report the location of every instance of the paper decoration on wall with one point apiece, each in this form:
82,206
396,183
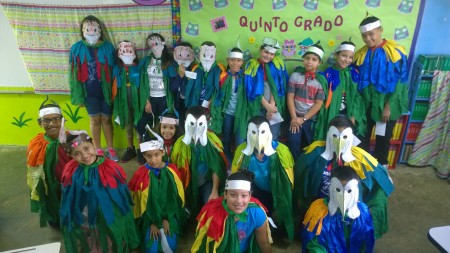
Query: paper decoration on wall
195,5
220,3
21,121
406,6
149,2
304,44
247,4
340,4
192,29
401,33
311,5
278,4
219,24
289,48
247,55
373,3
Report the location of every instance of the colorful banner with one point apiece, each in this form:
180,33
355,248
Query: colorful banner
45,34
296,24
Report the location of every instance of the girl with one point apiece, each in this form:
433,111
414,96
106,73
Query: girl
168,128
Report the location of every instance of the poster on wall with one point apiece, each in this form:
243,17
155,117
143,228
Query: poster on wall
295,24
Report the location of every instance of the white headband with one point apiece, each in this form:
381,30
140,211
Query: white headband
151,145
270,49
238,185
167,120
348,47
237,55
49,110
316,50
370,26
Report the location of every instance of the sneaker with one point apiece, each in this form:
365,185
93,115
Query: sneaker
112,155
129,154
140,157
100,152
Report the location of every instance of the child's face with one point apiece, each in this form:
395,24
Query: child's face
237,200
168,131
235,64
51,124
344,58
154,158
266,56
311,62
84,153
373,37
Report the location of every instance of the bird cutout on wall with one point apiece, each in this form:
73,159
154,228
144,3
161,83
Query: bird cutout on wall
247,4
340,4
288,48
278,4
192,29
401,33
311,4
373,3
247,55
304,44
220,3
195,5
406,6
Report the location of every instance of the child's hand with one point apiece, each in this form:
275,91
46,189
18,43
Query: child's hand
148,107
166,227
294,127
386,112
154,232
271,108
181,70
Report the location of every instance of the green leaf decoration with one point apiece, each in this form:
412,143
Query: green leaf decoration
21,121
73,114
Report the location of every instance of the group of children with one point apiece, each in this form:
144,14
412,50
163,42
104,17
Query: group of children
76,187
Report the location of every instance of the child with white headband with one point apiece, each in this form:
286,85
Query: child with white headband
236,222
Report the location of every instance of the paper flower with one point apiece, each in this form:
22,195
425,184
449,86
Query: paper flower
251,40
331,43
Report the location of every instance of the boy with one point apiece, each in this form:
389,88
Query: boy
383,74
304,99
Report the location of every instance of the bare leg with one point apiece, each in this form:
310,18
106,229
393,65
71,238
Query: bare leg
95,124
130,136
107,130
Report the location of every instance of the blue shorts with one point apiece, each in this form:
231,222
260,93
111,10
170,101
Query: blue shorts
96,106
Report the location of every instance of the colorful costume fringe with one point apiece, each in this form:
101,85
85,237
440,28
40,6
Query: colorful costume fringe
157,194
281,182
79,74
341,81
101,190
375,183
326,233
216,229
45,161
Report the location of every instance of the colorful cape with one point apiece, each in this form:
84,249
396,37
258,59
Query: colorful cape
217,233
45,161
185,158
123,77
326,233
383,77
79,58
375,184
341,81
281,181
169,72
157,197
211,80
277,78
101,190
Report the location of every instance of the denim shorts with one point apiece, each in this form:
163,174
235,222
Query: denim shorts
96,106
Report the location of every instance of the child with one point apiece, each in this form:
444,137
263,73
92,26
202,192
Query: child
158,196
339,223
304,100
342,95
228,117
320,159
199,156
383,74
96,203
272,164
168,127
128,106
45,161
91,61
157,71
265,82
236,222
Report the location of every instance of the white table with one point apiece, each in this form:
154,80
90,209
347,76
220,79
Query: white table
440,237
44,248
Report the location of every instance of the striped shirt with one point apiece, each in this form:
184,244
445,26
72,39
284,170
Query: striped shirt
305,95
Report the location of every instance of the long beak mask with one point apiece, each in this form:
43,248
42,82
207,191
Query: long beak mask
259,138
195,130
339,143
344,198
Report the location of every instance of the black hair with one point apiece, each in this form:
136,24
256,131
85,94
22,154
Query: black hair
246,175
258,120
315,45
369,20
166,57
178,129
236,49
341,121
208,43
185,44
90,19
67,146
346,173
197,111
116,55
